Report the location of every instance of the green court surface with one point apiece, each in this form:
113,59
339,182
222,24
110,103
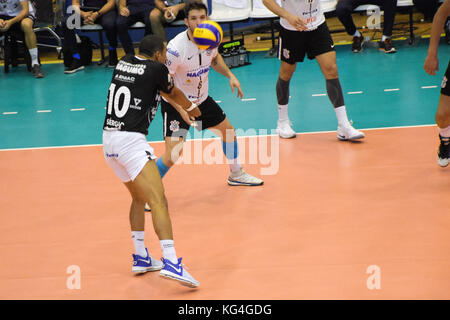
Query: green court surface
380,90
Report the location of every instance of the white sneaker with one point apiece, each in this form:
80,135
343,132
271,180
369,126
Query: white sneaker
284,129
147,208
242,178
349,133
178,272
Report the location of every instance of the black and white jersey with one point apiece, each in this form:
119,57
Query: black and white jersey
134,94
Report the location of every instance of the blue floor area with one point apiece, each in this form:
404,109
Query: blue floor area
371,72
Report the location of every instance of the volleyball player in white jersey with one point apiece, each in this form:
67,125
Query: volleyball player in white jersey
190,67
305,32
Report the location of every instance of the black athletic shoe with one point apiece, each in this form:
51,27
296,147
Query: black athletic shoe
112,58
387,46
358,43
444,151
37,71
75,66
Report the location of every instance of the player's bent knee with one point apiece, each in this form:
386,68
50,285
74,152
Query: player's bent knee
27,25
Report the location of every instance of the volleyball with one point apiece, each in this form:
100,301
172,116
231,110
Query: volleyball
208,35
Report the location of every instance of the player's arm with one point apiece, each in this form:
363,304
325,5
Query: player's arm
431,62
23,14
160,5
176,97
219,65
123,10
295,21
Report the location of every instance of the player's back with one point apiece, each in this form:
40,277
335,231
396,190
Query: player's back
133,94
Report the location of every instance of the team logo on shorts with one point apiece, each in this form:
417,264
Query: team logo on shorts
174,125
444,82
286,53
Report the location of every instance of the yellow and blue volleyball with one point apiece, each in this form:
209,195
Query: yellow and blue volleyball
208,35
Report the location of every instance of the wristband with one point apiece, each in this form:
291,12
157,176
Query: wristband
192,107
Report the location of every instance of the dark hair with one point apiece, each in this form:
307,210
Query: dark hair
194,5
150,44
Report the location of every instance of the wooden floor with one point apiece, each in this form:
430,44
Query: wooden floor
333,210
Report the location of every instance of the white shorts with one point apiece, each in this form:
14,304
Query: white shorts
126,153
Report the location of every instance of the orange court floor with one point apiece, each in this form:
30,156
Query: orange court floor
332,212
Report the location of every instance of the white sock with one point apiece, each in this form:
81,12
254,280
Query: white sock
235,166
357,34
139,244
168,249
34,56
283,112
341,115
444,132
384,38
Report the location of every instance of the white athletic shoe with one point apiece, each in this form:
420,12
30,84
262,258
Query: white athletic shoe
147,208
349,133
242,178
178,272
284,129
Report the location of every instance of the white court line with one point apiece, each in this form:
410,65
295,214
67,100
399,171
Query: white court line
10,112
240,137
43,111
217,101
249,99
78,109
429,87
389,90
319,94
355,92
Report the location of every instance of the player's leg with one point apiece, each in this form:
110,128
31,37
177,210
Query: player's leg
344,10
142,260
157,20
108,21
122,24
389,7
327,63
237,177
148,187
30,40
443,121
282,89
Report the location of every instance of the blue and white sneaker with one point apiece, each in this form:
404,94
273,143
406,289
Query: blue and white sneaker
178,272
142,265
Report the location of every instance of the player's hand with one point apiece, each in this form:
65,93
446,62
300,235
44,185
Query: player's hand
186,117
170,13
194,113
431,64
297,22
124,11
6,25
234,83
2,23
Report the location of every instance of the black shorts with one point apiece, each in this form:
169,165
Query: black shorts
16,26
295,44
174,125
445,86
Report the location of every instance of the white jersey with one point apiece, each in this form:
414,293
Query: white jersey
308,10
189,67
12,8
